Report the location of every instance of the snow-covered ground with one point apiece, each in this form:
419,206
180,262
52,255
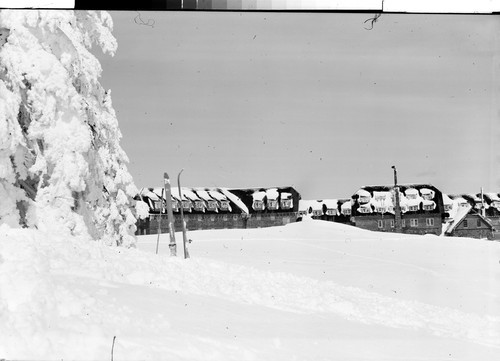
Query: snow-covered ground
307,291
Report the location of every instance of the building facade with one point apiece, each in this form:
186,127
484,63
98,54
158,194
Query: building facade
421,209
219,208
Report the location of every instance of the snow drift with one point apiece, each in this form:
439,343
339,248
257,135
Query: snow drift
308,291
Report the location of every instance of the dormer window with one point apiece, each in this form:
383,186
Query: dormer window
272,204
448,207
286,203
381,209
199,205
429,205
186,205
331,212
157,205
224,205
258,205
175,206
212,206
317,212
413,208
364,210
346,211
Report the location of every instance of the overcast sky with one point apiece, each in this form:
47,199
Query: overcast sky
315,101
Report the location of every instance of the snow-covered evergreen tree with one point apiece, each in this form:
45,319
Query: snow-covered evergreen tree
61,165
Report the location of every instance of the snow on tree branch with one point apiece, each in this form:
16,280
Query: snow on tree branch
61,165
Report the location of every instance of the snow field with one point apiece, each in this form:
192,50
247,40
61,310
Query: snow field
304,291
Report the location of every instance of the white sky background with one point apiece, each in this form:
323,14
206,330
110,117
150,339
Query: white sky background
310,100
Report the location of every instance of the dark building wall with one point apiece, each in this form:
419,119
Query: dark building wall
216,221
371,222
474,227
271,219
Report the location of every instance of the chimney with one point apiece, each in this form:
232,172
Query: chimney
397,207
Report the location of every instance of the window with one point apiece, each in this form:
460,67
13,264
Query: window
381,209
364,210
392,223
413,222
272,204
447,207
403,222
429,207
212,205
478,223
331,212
224,205
258,217
317,213
466,225
286,203
224,217
257,205
413,208
429,222
346,211
380,224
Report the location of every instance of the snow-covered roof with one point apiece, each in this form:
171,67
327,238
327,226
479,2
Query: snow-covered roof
447,200
493,196
305,204
363,193
272,193
459,215
411,191
427,191
413,202
217,195
346,205
258,196
235,199
330,203
144,192
188,193
203,194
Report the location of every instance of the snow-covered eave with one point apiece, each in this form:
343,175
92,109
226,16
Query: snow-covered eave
459,216
235,199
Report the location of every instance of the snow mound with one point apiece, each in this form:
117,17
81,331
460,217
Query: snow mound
63,298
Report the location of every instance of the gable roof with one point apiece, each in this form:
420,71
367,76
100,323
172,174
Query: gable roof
460,216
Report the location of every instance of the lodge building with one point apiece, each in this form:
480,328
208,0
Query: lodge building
421,206
423,209
219,208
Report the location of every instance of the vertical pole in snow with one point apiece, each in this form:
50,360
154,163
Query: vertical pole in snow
159,224
184,235
170,215
397,206
483,210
